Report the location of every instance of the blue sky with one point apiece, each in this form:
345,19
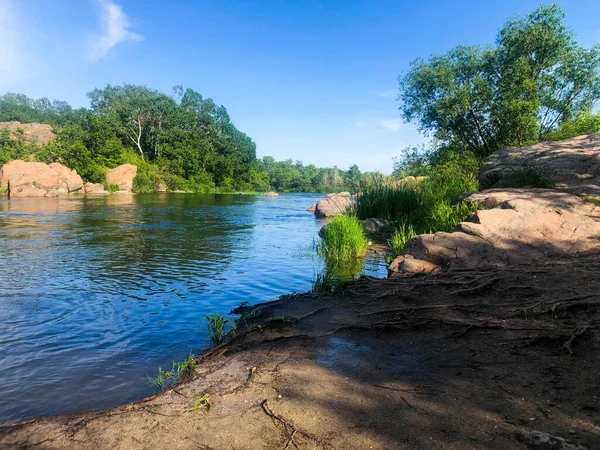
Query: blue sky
308,80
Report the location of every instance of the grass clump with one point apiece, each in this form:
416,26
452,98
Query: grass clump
527,177
180,371
343,239
218,327
402,234
112,188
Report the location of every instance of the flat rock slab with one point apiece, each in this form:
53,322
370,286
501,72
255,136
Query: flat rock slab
573,164
514,226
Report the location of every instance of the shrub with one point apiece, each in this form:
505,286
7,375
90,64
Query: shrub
343,238
402,234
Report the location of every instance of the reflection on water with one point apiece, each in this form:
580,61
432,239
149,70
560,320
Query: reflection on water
97,293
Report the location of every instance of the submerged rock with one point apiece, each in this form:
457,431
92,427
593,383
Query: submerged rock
122,176
272,194
36,179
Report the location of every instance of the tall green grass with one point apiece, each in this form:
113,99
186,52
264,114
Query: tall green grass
343,239
420,207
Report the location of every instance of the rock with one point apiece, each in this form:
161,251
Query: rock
28,190
408,264
122,192
573,165
322,230
272,194
69,179
539,440
333,206
40,133
54,179
311,208
122,176
161,188
514,226
178,191
94,189
419,179
375,224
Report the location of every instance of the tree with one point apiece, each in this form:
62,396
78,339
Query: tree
484,99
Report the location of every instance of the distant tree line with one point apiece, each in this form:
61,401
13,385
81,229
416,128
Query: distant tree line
184,140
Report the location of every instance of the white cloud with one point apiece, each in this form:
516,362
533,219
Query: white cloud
388,94
13,56
115,29
392,124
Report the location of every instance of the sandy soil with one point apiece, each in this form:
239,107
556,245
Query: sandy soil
496,359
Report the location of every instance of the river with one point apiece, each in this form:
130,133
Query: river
97,293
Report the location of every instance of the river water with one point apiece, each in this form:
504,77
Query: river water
97,293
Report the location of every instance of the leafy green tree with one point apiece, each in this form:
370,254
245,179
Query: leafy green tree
518,92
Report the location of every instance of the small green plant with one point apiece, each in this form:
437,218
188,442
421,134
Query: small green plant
180,371
343,238
201,403
530,177
112,188
3,190
219,327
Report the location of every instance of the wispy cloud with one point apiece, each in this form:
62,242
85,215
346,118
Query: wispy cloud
13,56
388,94
361,124
115,29
392,124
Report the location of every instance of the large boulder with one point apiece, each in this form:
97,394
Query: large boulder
408,264
122,176
272,194
573,165
36,179
514,226
333,206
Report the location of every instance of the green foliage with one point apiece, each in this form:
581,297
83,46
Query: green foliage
218,327
180,371
343,238
518,92
585,123
528,177
402,234
112,188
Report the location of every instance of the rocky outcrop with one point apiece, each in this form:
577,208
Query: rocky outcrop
333,206
94,189
375,224
272,194
161,188
514,226
122,176
573,165
40,133
36,179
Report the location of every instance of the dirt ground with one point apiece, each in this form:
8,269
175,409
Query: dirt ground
497,359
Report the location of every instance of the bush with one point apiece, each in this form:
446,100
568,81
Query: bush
343,238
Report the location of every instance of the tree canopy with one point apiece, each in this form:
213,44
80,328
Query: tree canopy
535,79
